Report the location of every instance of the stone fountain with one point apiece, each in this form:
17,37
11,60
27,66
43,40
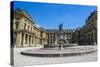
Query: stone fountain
61,50
60,39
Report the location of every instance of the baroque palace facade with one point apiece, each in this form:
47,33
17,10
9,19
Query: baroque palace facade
53,34
87,34
24,31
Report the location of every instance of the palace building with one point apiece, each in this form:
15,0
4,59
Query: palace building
53,34
25,33
87,34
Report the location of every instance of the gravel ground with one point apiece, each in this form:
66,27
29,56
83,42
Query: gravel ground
22,60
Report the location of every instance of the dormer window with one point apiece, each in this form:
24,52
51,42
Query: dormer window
17,17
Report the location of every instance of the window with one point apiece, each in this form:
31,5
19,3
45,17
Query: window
28,27
31,28
25,20
24,26
17,24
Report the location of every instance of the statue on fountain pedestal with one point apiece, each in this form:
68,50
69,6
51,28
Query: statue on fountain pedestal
61,40
61,27
60,36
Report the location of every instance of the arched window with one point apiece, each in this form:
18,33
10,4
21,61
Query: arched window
17,25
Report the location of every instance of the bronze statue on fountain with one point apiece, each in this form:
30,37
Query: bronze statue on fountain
60,40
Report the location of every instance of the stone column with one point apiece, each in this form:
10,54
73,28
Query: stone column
18,40
34,41
94,42
31,41
89,39
27,40
23,39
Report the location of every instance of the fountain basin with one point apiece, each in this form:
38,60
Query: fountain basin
56,45
54,52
